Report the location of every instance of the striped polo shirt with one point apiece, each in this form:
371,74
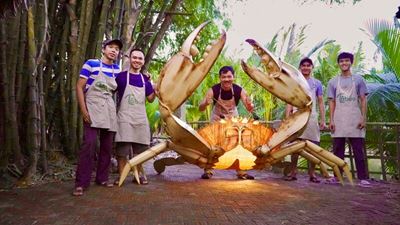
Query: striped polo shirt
91,69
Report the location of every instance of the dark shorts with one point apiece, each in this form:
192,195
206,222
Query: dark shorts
126,148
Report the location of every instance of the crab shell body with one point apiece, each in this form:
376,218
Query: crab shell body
231,144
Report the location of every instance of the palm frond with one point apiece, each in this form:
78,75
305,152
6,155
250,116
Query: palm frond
383,96
387,38
318,46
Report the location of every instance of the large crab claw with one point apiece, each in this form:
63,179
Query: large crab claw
178,80
181,76
285,82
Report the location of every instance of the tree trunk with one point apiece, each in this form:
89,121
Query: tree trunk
4,98
101,27
62,81
73,61
161,33
33,121
131,15
20,89
13,31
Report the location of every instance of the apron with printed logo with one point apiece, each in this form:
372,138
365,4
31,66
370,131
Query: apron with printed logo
347,113
312,128
224,109
133,125
99,101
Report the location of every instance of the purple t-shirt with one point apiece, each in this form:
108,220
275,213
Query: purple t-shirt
316,85
345,83
134,80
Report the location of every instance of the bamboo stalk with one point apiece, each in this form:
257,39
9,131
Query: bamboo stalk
33,117
101,27
4,99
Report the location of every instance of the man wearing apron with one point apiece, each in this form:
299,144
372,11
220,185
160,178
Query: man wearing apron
312,130
133,126
94,91
348,111
225,96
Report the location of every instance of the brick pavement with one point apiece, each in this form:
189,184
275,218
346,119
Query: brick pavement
178,196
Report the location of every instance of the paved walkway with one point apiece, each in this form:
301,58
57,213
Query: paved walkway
178,196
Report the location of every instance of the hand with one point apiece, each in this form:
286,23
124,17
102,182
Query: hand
361,124
249,105
322,125
86,117
209,101
332,126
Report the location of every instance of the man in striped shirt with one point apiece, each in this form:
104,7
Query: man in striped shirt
94,91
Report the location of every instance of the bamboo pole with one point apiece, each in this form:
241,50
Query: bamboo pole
101,28
4,98
33,117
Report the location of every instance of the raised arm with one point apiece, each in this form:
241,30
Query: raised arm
246,101
207,100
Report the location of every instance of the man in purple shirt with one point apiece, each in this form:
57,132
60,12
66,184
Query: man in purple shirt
348,113
312,130
133,131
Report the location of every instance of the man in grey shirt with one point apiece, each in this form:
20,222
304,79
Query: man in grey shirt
348,112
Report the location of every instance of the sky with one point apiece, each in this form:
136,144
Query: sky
261,19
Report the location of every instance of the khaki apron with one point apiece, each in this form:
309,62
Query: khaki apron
133,125
226,108
99,101
312,128
347,112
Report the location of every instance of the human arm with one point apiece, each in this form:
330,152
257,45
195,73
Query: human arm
246,101
321,105
207,100
80,86
150,88
332,105
363,105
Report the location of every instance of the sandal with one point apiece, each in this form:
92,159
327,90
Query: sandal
142,180
116,182
290,178
332,180
206,175
106,184
245,177
314,180
78,191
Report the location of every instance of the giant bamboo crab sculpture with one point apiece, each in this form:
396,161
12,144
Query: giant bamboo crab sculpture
234,143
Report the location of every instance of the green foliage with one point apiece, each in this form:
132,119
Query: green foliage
387,38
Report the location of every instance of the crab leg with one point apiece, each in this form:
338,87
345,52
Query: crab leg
315,161
318,152
331,157
141,158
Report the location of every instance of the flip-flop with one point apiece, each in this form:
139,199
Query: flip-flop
245,177
290,178
106,184
331,180
314,180
78,191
